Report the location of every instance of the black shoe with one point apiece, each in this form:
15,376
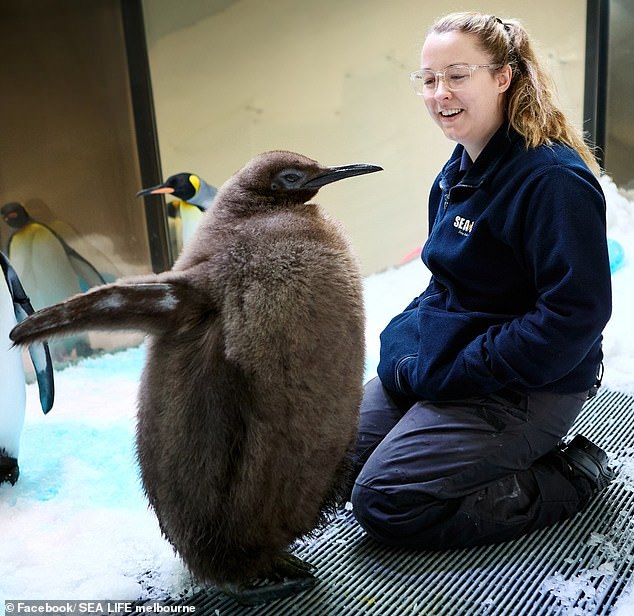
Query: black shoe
9,470
589,461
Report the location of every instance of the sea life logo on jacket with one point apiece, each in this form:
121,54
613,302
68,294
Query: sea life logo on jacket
464,225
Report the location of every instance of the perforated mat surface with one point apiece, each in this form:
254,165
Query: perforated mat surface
578,567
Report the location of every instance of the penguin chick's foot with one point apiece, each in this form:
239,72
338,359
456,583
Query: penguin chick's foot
290,566
288,576
9,470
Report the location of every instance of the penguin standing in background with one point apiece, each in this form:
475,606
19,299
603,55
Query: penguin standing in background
48,267
249,398
194,196
14,307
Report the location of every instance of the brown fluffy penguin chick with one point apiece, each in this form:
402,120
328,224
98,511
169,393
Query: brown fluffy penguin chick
248,404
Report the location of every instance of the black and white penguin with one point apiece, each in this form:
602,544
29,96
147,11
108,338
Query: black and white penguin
49,268
194,196
14,307
249,397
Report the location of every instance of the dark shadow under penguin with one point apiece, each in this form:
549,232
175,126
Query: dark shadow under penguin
249,398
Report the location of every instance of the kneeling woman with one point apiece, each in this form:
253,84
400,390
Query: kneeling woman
482,376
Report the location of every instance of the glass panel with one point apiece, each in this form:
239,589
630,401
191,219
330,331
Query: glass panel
329,79
68,161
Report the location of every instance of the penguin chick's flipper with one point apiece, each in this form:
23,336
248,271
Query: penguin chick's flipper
39,351
288,576
152,307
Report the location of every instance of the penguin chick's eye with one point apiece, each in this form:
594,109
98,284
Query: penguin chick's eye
287,180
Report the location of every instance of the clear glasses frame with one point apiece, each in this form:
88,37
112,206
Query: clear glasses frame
455,77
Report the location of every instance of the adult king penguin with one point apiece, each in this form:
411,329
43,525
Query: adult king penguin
249,397
195,198
14,307
49,268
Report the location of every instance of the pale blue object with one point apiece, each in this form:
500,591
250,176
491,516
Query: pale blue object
616,255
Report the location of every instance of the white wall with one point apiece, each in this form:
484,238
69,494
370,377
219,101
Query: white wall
328,79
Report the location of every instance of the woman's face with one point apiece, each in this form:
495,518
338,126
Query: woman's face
471,115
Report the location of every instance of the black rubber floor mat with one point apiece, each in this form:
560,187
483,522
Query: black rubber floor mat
578,567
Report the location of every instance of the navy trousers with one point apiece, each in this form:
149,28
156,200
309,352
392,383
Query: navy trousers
463,473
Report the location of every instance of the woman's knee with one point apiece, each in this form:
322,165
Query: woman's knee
371,510
396,518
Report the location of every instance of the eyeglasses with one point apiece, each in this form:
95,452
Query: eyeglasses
455,77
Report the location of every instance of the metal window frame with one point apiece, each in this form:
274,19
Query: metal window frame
146,133
596,75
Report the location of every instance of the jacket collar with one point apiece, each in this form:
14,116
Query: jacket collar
494,152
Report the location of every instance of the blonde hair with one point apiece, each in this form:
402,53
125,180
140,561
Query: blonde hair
530,100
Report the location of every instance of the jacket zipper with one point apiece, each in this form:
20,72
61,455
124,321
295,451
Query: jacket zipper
446,201
399,384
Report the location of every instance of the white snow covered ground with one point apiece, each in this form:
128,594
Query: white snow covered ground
77,526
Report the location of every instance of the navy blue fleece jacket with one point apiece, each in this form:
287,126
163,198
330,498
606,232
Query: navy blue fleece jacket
520,289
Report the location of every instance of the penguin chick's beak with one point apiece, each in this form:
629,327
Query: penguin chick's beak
334,174
156,190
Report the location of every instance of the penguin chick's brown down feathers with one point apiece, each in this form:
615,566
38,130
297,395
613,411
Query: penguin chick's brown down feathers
249,397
